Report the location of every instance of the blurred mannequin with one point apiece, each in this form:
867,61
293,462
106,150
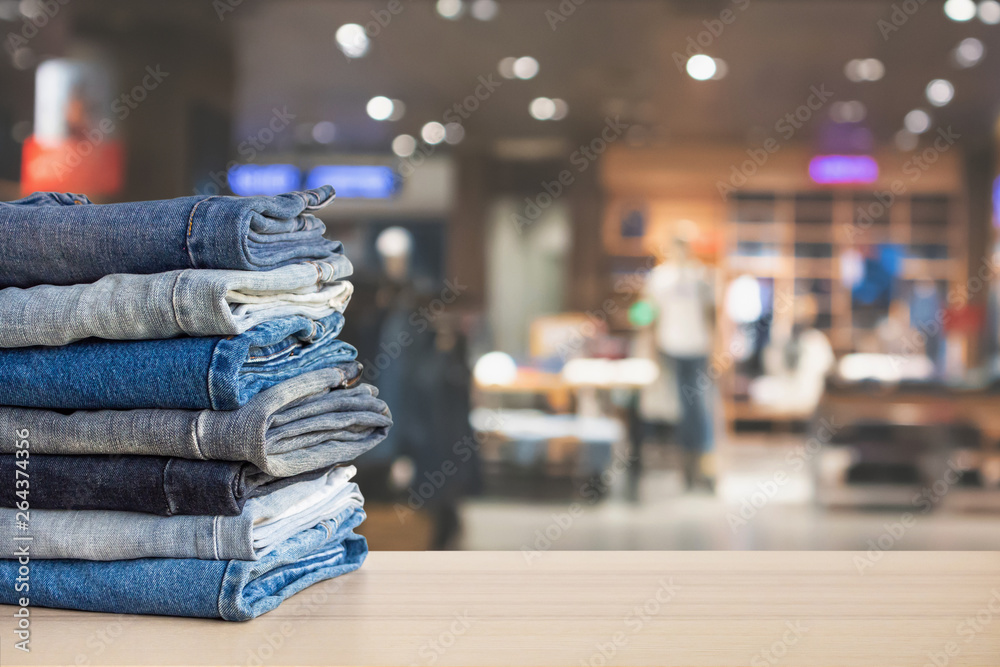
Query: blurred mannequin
681,288
796,366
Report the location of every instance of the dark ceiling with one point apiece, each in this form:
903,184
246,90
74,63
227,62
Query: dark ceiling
609,56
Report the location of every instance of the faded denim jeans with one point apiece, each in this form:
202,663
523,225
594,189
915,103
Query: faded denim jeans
193,373
152,484
53,238
195,302
236,590
311,421
264,523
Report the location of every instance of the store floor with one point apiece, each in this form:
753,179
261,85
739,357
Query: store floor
745,513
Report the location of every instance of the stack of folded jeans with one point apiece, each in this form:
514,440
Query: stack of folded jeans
176,410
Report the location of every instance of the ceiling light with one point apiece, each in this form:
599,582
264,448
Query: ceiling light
484,10
701,67
562,109
380,108
989,12
433,133
404,145
864,69
939,92
906,141
721,69
960,10
398,110
454,133
450,9
525,68
324,132
506,68
851,111
917,121
352,40
542,108
968,52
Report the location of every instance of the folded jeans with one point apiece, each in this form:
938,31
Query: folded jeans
64,239
195,302
234,590
310,421
153,484
221,373
264,523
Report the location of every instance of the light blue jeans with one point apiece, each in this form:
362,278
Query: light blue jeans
195,302
264,523
235,590
309,422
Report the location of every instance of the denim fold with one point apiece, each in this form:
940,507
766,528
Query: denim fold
151,484
235,590
221,373
264,523
193,302
308,422
56,238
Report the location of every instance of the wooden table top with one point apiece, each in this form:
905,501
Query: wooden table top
579,608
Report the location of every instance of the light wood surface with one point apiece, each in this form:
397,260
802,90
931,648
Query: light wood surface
580,608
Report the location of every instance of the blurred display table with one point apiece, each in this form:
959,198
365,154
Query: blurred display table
580,608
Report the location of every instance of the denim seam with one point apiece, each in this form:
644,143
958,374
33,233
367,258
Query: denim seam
215,537
173,302
171,507
222,587
210,373
187,245
194,435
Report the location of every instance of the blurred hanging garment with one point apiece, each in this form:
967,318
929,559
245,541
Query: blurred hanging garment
154,484
311,421
234,590
191,302
64,239
189,373
264,523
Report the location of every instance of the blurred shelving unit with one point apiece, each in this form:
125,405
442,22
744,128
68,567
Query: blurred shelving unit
773,222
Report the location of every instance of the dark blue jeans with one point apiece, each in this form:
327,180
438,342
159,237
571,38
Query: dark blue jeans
695,391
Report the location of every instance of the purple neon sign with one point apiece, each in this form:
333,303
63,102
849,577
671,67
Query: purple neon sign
834,169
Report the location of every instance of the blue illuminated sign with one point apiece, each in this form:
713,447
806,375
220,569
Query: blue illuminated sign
355,181
264,179
836,169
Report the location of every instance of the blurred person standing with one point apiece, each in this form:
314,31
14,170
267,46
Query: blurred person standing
681,288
